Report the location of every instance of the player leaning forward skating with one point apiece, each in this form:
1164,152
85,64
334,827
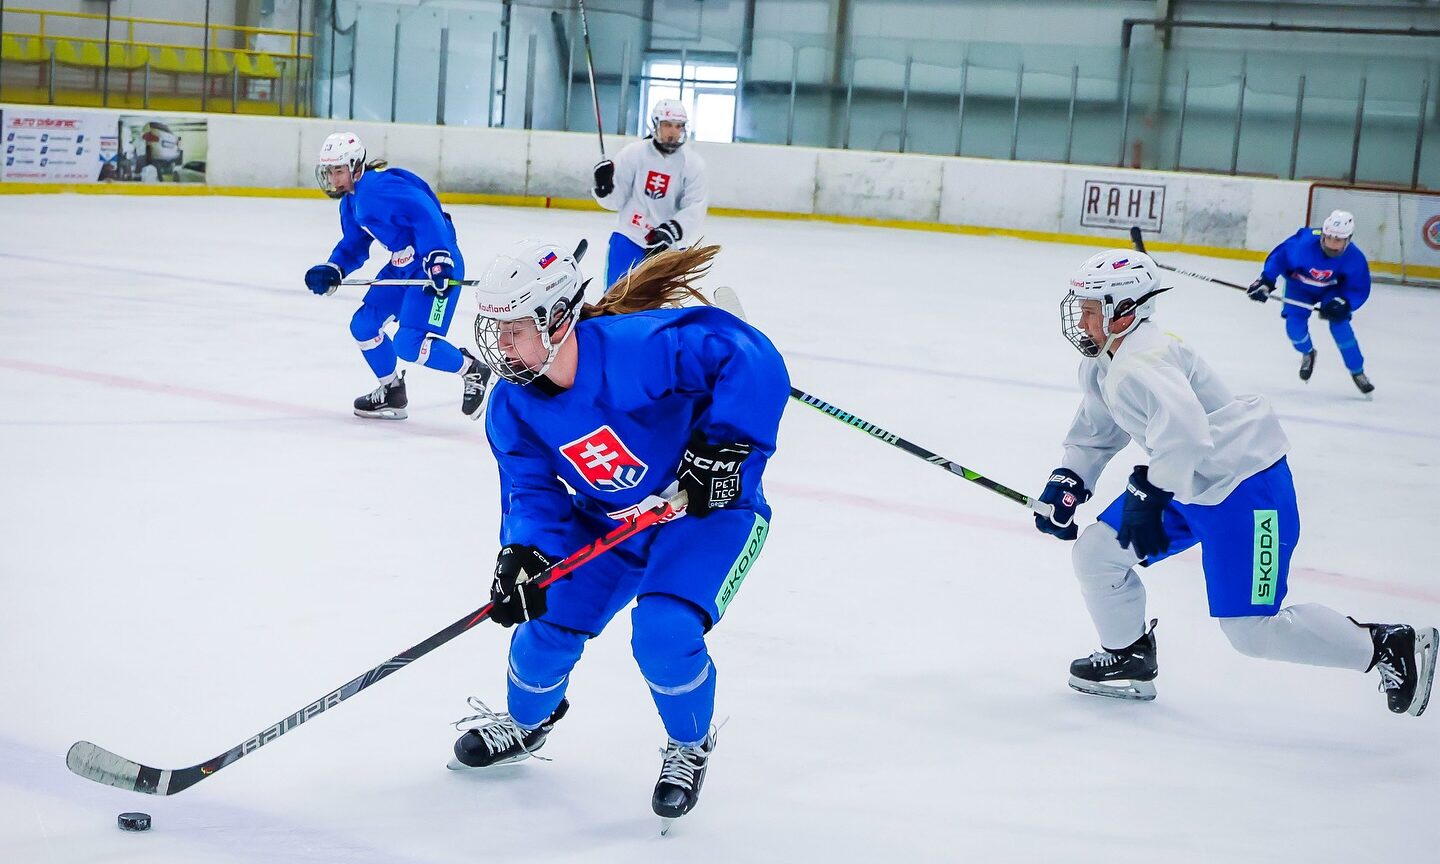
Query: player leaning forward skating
1324,269
621,402
657,186
398,209
1217,477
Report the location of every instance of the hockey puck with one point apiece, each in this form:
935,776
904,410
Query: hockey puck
133,821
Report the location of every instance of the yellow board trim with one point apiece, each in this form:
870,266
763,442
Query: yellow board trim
544,201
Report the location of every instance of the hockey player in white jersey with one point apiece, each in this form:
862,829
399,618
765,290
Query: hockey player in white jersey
1217,477
657,185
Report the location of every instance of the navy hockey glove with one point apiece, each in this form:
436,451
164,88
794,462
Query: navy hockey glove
1142,526
1335,309
516,595
662,237
323,279
604,178
1064,492
439,269
710,474
1260,289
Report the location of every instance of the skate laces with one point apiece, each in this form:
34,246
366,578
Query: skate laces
1103,658
681,762
377,396
1389,677
496,728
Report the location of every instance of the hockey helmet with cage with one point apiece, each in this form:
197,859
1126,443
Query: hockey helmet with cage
340,148
1124,282
669,111
1339,225
525,297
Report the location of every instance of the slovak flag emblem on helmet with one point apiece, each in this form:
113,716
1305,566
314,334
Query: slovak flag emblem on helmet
1116,265
604,461
547,260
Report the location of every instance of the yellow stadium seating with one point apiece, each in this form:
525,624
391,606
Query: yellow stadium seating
257,66
23,49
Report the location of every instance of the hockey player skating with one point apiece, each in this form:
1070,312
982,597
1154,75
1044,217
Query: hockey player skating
1217,477
398,209
657,185
1321,266
621,402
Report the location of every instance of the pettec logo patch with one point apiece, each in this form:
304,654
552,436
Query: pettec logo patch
604,461
656,184
403,257
547,260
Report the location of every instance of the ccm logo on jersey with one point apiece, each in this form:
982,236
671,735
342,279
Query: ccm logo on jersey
656,184
403,257
604,461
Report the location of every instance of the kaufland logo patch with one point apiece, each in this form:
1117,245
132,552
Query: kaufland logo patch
656,184
547,260
604,461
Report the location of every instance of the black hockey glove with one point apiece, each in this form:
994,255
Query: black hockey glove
1142,525
662,237
1335,309
604,178
1260,289
516,595
323,279
439,269
710,474
1064,492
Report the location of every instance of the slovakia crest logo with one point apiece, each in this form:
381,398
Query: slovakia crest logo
656,184
1321,275
604,461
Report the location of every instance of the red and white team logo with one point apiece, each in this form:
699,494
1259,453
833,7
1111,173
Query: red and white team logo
656,184
604,461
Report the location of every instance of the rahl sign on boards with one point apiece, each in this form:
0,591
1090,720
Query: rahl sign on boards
1122,205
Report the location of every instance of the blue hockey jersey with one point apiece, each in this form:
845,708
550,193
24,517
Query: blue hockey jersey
645,382
400,210
1313,277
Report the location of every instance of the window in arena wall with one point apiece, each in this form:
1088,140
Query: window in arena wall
707,90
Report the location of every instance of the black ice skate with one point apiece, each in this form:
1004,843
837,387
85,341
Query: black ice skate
681,774
1126,673
1405,659
388,401
1363,382
496,740
1307,365
476,380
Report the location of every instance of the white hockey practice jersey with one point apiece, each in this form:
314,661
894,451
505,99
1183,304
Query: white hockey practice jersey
1202,439
652,188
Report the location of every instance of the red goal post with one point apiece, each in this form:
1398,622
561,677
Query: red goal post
1398,229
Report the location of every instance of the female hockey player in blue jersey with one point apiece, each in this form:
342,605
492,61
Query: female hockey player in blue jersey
1322,268
622,402
398,209
1217,477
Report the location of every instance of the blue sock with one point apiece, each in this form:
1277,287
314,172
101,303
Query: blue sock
541,657
1349,347
668,641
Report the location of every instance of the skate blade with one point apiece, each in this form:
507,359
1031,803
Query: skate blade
457,765
1427,644
665,826
384,414
1135,691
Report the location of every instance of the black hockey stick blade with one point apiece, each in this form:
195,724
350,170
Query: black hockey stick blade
1137,239
96,763
580,249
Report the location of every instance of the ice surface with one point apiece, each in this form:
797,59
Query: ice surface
198,539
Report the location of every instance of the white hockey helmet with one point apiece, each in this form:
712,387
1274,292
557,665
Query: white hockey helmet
669,111
340,148
1124,282
525,297
1339,224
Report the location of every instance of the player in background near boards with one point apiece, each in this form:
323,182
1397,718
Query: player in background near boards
1321,266
624,402
398,209
657,185
1217,477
